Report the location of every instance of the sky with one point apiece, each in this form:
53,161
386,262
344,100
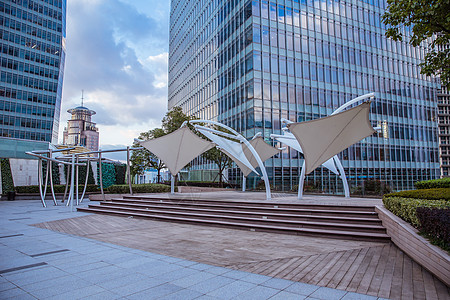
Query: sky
117,53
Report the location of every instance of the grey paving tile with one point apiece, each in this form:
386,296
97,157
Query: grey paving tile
12,293
6,286
277,283
177,274
78,293
236,274
22,297
156,292
255,278
211,284
106,295
283,295
136,287
193,279
153,269
65,280
184,294
232,290
302,288
217,270
356,296
84,267
257,293
200,266
328,294
60,289
113,283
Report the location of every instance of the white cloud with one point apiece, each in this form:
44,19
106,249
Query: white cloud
117,54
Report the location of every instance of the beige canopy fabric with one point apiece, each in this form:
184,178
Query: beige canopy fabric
323,138
178,148
232,149
289,140
264,150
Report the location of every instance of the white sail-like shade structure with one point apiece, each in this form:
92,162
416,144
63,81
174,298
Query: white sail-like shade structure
289,140
323,138
264,150
232,149
178,148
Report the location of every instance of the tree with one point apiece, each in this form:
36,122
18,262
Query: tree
425,19
220,159
143,159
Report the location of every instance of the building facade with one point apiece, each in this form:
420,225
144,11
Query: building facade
250,63
444,130
32,48
80,130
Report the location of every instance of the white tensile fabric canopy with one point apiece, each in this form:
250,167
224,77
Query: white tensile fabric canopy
232,149
323,138
178,148
289,140
264,150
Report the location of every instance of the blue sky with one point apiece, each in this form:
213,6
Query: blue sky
117,53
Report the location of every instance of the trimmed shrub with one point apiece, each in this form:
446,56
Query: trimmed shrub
405,208
120,173
435,222
138,188
7,179
428,194
430,184
34,189
108,175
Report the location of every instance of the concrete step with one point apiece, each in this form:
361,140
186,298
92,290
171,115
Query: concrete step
335,231
266,213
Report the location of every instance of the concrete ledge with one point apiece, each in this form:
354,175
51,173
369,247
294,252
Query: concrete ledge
197,189
407,238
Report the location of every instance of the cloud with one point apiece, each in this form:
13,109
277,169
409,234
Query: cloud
118,55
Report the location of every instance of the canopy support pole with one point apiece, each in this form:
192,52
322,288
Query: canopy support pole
301,182
172,184
342,175
129,171
244,183
40,182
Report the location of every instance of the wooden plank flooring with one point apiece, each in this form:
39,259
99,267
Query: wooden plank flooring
376,269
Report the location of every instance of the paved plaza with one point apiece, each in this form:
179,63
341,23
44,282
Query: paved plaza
53,264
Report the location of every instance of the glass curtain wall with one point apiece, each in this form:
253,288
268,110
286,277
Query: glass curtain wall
248,64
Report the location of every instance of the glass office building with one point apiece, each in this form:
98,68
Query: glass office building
32,54
248,64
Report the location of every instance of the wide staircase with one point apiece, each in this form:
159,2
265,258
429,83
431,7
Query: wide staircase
332,221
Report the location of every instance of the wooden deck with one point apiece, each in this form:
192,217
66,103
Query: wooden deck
378,269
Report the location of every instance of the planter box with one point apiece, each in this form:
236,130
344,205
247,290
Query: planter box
407,238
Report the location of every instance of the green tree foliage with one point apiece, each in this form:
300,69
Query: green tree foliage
220,159
108,174
144,159
7,179
425,19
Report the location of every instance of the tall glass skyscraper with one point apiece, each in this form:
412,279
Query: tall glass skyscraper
32,49
248,64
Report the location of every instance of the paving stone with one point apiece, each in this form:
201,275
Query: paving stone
277,283
156,292
302,288
211,284
257,293
283,295
328,294
184,294
232,290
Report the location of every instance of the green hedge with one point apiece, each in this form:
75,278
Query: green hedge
138,188
405,208
435,222
34,189
120,173
426,194
430,184
108,175
7,180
